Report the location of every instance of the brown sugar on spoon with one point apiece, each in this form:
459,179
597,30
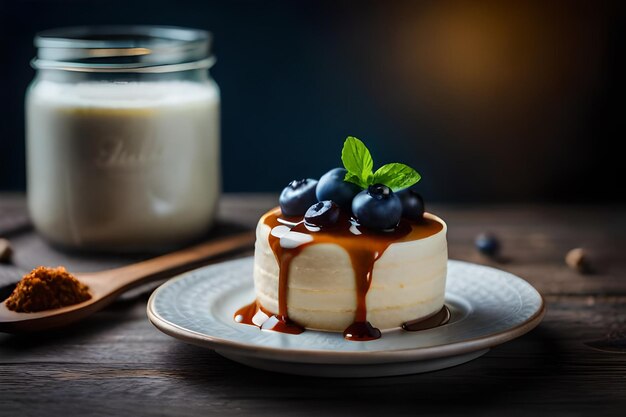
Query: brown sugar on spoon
45,289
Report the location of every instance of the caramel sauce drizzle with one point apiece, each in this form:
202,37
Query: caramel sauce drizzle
364,246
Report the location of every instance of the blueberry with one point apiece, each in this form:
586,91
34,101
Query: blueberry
332,187
297,197
322,214
412,204
487,244
377,207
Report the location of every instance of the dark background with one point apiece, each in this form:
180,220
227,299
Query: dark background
489,101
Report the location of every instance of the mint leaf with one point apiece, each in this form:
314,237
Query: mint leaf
358,161
355,180
396,176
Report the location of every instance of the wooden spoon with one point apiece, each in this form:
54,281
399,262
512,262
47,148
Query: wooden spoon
106,286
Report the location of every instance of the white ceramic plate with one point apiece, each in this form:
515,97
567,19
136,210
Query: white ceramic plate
488,307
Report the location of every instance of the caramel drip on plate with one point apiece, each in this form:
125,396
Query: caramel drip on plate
364,246
254,314
247,314
438,319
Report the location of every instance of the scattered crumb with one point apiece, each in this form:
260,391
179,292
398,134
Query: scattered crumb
6,252
45,289
577,259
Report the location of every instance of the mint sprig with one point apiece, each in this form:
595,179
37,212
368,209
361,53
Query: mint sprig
359,163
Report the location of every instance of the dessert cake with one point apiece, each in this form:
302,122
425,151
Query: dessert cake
353,252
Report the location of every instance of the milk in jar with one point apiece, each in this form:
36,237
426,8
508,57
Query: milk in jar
123,154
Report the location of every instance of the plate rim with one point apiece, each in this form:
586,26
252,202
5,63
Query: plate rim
342,357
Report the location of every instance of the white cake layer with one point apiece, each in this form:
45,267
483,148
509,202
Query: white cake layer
408,282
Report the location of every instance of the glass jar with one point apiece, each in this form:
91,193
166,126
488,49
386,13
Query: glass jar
123,137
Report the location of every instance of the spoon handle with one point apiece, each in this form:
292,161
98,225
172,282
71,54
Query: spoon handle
127,277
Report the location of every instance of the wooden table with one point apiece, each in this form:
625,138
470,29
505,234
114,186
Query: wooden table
117,363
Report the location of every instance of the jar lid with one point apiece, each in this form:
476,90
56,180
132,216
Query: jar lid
123,49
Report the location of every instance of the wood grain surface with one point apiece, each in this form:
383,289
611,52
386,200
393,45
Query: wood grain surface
116,364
